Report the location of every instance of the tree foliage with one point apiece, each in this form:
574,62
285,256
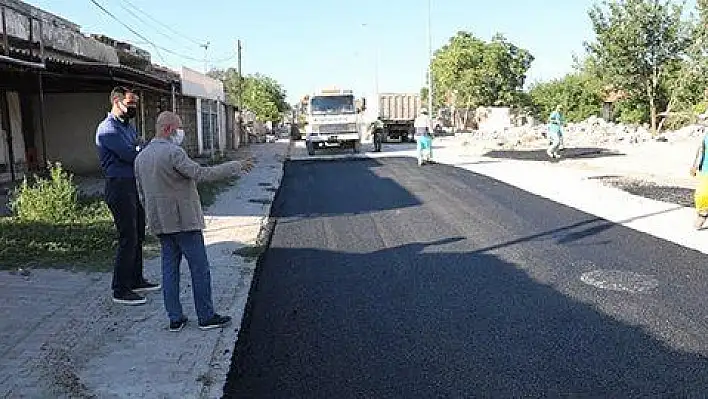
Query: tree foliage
580,94
469,72
638,46
262,95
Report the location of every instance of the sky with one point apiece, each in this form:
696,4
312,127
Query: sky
310,44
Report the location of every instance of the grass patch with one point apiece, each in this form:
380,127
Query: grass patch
53,226
87,243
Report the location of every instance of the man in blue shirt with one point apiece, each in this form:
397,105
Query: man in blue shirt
117,144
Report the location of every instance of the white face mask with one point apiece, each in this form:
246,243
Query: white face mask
178,137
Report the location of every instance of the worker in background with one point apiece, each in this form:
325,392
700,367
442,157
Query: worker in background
377,127
555,133
700,169
423,137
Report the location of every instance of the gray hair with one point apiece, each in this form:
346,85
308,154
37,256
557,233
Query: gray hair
164,119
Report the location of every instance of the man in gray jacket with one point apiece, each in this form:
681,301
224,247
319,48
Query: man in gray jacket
167,186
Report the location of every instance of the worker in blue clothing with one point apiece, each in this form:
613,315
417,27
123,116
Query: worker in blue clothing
118,144
555,133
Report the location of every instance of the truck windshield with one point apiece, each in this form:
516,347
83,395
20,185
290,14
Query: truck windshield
332,105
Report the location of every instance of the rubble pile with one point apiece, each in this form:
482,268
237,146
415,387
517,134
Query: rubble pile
593,131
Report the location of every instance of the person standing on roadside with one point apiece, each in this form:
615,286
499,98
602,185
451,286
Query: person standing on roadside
423,137
700,169
377,127
118,144
167,185
555,133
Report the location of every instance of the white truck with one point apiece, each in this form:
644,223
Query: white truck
333,121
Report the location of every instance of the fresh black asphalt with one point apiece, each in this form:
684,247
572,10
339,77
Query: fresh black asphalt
386,280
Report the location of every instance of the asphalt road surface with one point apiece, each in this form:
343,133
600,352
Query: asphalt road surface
386,280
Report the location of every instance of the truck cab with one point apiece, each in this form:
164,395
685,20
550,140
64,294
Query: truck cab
333,121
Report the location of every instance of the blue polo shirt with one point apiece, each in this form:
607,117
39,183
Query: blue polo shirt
116,142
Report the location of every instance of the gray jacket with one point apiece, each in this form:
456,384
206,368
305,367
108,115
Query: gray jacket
167,185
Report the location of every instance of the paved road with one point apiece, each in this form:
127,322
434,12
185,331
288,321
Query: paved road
384,280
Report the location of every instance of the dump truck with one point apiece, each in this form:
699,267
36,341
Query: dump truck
398,112
333,121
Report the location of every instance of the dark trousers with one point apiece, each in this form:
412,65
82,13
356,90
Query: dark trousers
129,217
378,139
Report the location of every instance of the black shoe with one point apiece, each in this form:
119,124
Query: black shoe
215,322
129,298
146,286
177,326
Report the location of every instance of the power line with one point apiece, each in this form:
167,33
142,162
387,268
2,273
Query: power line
139,18
176,32
138,34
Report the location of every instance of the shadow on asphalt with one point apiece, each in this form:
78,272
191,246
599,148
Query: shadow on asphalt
540,155
418,321
442,318
587,228
384,192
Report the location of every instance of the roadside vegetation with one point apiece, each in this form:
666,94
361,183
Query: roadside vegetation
647,59
53,225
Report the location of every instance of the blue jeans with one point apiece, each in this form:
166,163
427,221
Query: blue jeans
191,245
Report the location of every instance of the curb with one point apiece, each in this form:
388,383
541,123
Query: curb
265,232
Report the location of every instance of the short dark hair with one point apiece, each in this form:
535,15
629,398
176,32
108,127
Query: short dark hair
121,92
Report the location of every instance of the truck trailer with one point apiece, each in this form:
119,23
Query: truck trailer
398,111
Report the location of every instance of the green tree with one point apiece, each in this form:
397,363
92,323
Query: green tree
689,77
472,72
579,93
637,45
261,94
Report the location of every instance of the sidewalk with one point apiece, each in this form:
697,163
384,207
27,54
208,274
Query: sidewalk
63,337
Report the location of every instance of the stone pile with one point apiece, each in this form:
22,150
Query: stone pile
591,132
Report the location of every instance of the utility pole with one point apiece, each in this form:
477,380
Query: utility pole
430,60
205,46
211,128
239,98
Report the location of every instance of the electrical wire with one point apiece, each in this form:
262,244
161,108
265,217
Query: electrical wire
176,32
141,36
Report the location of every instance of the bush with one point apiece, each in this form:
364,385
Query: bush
580,95
631,111
52,200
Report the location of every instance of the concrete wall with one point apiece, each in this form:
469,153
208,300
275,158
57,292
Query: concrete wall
57,33
71,120
197,84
